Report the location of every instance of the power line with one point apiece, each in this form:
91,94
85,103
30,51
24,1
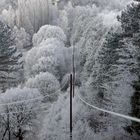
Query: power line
33,99
33,109
23,101
110,112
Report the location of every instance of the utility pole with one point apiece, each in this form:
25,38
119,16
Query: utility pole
71,87
8,123
73,67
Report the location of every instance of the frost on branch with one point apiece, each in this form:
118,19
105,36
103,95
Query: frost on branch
48,31
21,115
56,124
10,64
22,38
47,84
45,57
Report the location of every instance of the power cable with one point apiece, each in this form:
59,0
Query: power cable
110,112
33,109
34,99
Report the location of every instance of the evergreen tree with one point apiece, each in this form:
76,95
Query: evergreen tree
130,21
137,0
135,107
8,57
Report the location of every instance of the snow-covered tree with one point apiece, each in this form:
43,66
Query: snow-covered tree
48,53
104,4
18,118
8,16
9,58
46,57
48,31
63,21
47,84
66,19
29,14
13,3
130,19
33,13
22,38
110,82
134,128
88,38
104,62
56,124
130,22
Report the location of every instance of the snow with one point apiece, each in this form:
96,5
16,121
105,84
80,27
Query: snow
24,111
45,82
106,66
48,31
47,53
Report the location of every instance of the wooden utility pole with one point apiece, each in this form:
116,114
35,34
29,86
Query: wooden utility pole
8,123
71,87
73,67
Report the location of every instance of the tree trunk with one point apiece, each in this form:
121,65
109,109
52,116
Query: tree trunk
19,135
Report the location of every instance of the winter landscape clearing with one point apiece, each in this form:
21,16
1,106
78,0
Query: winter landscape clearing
69,69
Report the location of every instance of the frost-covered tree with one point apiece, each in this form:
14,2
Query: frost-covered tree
46,57
48,53
13,3
9,58
48,31
47,84
104,4
8,16
22,39
18,118
130,22
66,19
130,19
33,14
108,60
63,21
56,122
88,38
110,82
134,128
29,14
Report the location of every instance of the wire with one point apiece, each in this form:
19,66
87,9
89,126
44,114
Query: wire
110,112
35,109
23,101
34,99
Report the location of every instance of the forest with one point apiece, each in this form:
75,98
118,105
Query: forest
41,41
